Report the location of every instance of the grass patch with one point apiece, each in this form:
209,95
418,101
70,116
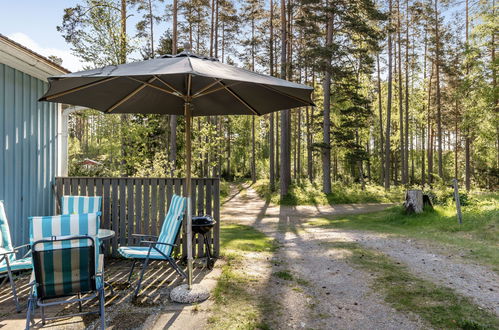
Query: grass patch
308,193
441,307
235,305
284,275
244,238
477,237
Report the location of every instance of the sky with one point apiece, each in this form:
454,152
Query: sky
32,23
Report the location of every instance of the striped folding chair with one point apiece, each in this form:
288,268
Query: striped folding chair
159,248
81,204
66,263
8,259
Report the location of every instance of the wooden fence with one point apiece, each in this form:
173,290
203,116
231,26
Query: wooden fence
139,205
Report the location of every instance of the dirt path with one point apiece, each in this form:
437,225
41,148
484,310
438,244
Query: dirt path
312,285
339,295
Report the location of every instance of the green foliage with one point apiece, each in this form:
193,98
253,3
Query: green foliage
245,238
308,193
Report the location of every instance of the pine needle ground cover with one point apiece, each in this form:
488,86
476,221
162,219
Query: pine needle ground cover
477,238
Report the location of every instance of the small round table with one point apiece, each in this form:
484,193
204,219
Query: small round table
104,234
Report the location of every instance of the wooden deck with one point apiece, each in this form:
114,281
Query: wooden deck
121,312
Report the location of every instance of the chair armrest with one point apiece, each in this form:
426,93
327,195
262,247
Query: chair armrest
23,246
155,242
6,253
145,236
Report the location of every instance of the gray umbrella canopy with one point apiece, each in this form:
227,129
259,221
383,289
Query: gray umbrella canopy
160,86
183,84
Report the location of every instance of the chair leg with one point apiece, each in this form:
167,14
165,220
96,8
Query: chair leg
139,283
176,267
28,314
102,313
79,302
43,314
131,270
12,285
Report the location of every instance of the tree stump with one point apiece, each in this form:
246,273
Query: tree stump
414,201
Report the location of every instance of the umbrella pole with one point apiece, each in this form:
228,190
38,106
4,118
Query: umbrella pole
188,152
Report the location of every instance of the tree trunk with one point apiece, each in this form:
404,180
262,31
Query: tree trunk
388,105
400,98
406,139
439,113
271,123
326,148
285,152
414,201
380,107
173,118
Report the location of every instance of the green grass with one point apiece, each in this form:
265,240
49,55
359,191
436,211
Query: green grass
284,275
240,238
476,238
441,307
236,307
311,194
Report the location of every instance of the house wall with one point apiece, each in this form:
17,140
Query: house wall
28,149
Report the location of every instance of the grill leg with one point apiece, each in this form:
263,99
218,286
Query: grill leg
79,302
209,264
101,310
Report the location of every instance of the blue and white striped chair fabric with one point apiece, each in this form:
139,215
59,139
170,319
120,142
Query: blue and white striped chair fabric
169,232
8,259
81,204
64,265
162,248
66,225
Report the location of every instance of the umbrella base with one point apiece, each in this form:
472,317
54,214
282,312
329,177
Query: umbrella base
182,294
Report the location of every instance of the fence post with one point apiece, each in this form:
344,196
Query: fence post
458,202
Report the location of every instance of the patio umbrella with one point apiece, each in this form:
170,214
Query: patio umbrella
184,84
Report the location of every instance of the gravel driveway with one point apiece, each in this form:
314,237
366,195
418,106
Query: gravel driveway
337,295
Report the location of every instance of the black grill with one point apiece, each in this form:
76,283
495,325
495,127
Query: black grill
202,225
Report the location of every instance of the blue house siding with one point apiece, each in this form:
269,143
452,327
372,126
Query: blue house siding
28,141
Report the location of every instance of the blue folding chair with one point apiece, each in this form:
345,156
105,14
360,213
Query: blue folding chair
66,263
8,259
81,204
159,248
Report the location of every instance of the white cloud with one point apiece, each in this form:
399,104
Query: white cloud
69,61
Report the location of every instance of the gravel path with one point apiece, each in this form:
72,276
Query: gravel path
325,291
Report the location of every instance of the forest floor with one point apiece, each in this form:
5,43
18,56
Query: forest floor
311,276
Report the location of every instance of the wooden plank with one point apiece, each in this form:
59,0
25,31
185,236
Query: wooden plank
122,216
216,215
209,208
106,220
154,203
161,203
146,229
115,214
67,186
90,187
59,190
138,206
169,191
98,192
83,186
129,211
74,187
200,197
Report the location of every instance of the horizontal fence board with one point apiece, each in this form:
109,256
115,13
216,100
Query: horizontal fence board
139,205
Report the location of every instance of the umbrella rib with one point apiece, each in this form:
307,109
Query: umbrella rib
169,86
206,87
79,88
156,87
199,94
239,98
288,95
129,96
